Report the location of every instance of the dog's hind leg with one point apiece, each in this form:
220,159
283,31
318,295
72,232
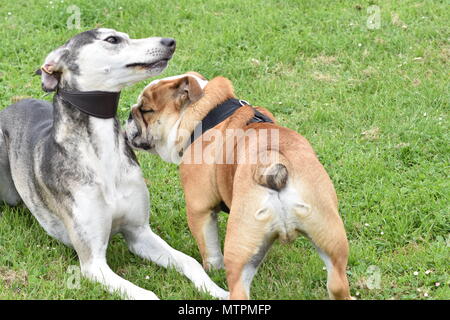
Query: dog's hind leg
322,224
8,192
247,241
327,233
143,242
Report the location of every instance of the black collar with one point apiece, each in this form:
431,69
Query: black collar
99,104
222,112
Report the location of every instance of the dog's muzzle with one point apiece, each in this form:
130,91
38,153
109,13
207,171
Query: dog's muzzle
134,136
169,46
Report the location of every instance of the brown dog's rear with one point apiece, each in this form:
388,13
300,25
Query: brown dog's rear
281,200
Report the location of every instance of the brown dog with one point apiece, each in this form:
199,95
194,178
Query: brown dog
269,177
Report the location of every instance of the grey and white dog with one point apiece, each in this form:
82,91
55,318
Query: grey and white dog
76,173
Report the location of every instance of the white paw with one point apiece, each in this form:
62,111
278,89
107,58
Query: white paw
142,295
221,294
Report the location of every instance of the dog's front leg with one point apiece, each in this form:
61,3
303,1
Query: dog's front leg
89,231
143,242
203,225
8,192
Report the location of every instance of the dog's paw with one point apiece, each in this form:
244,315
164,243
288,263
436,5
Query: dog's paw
221,294
215,263
142,294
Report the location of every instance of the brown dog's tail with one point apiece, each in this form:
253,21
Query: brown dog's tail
274,176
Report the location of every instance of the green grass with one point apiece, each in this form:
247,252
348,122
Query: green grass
373,103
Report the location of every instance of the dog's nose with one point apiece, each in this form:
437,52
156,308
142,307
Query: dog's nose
130,117
168,42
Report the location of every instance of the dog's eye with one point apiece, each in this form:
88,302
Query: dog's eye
146,111
112,39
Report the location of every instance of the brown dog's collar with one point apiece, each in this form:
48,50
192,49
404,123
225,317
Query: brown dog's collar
99,104
222,112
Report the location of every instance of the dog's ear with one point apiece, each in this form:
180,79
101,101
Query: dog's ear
190,86
50,71
49,77
194,73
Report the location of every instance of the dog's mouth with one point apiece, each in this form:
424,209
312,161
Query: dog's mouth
144,65
131,141
144,146
139,146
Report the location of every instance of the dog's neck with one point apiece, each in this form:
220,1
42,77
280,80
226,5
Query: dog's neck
216,92
69,121
99,104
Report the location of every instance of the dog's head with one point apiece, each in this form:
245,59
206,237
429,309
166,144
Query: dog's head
104,60
154,119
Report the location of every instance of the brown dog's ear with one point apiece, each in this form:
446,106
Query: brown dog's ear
194,73
190,86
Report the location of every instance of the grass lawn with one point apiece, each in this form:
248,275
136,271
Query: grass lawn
374,103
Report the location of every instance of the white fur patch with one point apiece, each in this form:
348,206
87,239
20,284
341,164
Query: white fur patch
202,83
166,150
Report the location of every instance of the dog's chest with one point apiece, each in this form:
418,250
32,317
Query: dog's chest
104,153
